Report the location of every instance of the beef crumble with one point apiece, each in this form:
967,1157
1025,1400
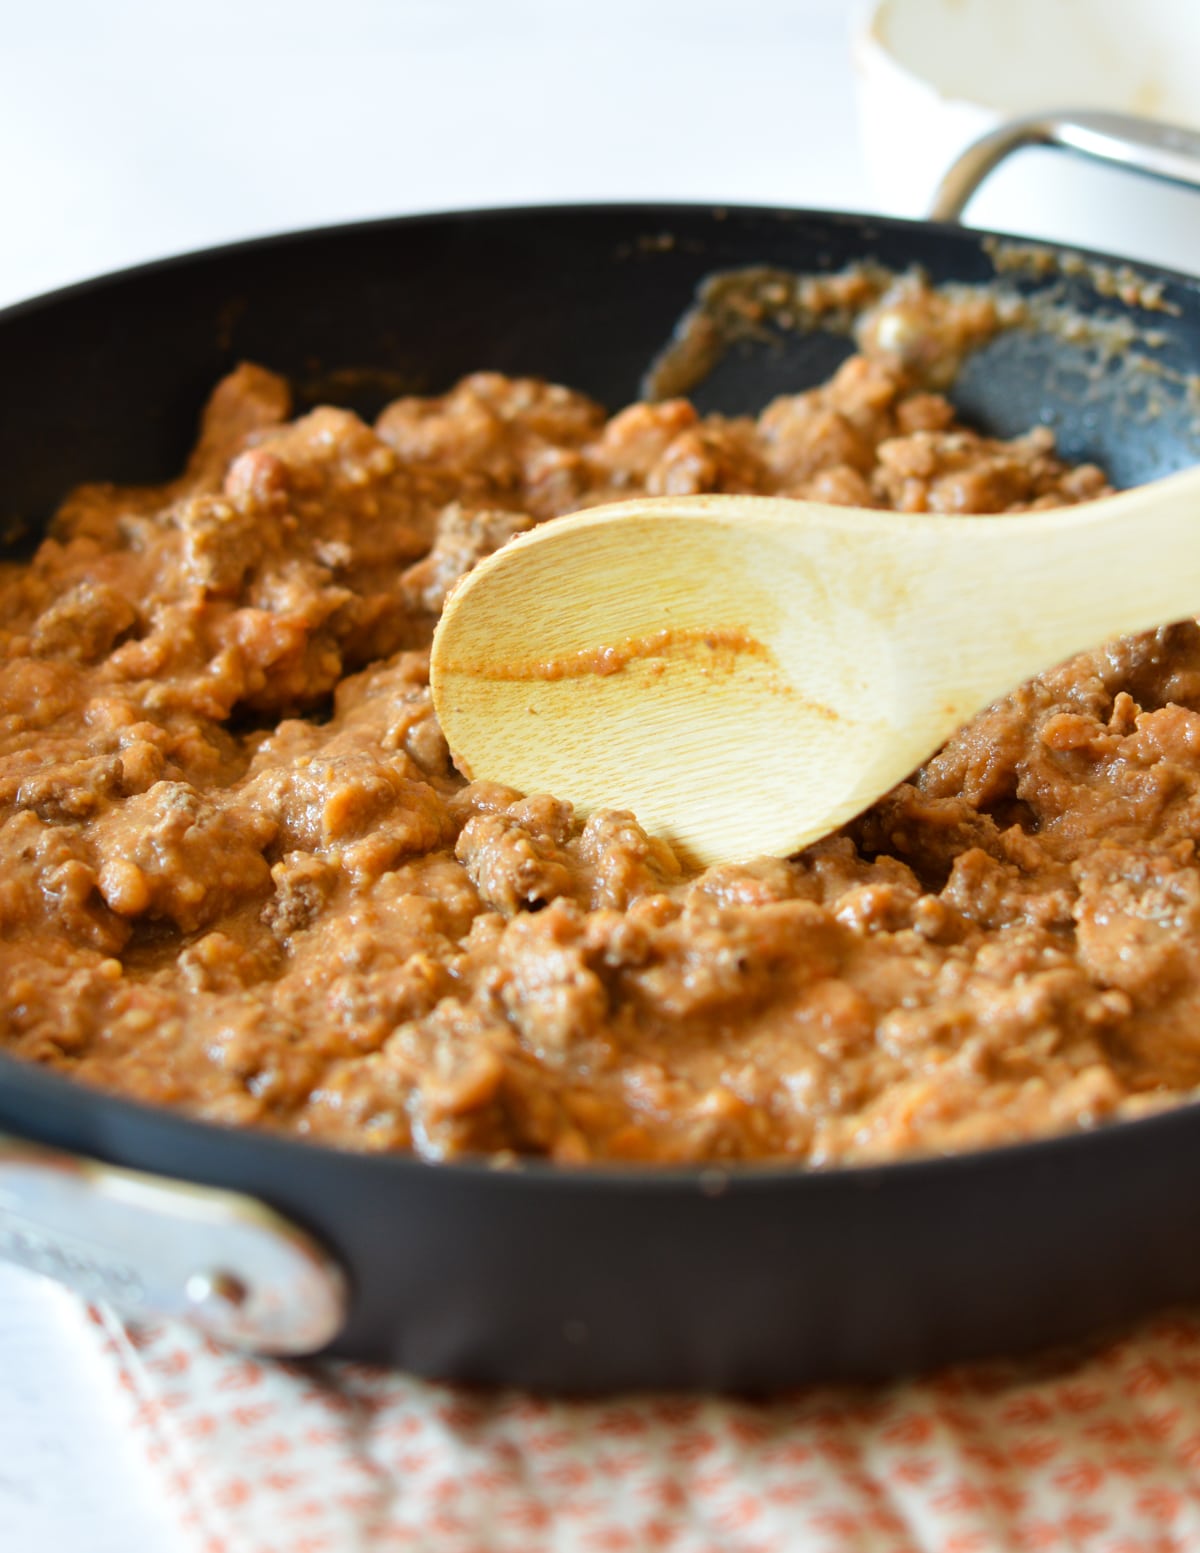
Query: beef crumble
239,875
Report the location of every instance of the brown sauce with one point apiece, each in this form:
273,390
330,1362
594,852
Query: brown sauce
239,875
714,646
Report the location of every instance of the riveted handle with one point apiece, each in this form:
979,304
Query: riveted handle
154,1247
1164,151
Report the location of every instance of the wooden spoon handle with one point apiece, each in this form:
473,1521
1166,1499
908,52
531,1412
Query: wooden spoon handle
1011,596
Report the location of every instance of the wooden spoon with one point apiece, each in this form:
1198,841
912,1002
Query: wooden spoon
747,673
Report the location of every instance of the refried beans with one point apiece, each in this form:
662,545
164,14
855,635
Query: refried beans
240,876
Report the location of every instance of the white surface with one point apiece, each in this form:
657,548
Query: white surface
72,1480
132,130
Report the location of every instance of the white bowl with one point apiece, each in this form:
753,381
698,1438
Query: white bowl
933,75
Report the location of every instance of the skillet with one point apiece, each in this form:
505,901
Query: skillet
547,1277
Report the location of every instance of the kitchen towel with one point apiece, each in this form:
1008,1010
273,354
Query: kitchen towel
1094,1451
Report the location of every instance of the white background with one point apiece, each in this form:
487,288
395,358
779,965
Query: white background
133,129
130,130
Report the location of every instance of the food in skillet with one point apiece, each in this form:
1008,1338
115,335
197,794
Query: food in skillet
239,874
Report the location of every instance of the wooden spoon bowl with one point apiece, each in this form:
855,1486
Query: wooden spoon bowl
748,673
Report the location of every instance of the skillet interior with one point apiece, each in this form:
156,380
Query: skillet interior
605,1280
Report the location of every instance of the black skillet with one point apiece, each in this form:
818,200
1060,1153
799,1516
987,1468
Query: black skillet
580,1280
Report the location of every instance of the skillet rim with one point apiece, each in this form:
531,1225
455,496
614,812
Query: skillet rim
718,209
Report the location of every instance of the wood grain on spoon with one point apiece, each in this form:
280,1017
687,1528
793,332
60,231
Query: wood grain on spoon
747,673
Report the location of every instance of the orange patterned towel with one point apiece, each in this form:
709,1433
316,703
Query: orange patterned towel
1094,1453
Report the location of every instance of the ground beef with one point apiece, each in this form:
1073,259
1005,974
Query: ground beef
239,875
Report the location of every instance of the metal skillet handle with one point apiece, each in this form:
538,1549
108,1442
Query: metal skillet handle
1165,151
153,1247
